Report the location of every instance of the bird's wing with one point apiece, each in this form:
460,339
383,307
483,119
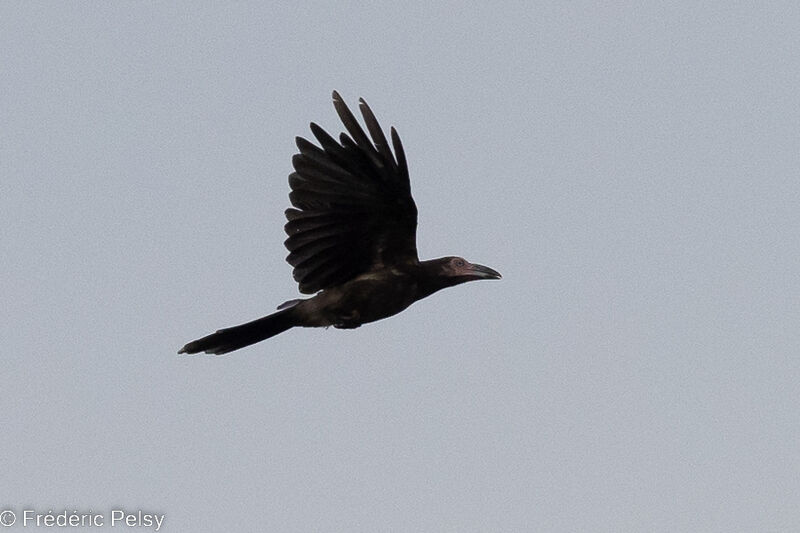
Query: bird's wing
353,209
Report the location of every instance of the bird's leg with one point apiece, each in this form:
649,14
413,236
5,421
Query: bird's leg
348,321
347,325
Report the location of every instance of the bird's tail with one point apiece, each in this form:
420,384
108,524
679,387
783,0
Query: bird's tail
229,339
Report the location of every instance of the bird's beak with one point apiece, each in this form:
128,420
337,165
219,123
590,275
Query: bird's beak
483,272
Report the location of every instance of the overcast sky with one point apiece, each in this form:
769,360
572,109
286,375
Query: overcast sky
633,172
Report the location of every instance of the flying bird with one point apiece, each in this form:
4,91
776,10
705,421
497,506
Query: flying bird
351,238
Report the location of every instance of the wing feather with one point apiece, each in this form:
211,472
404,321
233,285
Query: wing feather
376,132
352,206
400,154
351,123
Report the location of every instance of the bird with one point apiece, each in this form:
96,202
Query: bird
351,237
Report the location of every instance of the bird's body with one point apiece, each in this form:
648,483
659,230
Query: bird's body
352,238
366,298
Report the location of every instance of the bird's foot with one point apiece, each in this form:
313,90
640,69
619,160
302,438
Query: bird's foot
347,325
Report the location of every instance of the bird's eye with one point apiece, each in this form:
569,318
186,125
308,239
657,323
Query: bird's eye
459,263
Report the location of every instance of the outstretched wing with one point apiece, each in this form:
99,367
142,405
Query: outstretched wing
353,209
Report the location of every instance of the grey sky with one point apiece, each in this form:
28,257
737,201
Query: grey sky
631,169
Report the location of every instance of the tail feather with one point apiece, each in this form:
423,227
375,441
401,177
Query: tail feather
230,339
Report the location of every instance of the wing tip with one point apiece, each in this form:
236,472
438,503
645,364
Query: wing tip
316,129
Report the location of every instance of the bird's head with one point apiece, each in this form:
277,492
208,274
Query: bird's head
459,270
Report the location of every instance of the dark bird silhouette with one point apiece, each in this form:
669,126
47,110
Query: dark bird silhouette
352,238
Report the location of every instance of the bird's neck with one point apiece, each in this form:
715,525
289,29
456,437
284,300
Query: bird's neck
430,278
